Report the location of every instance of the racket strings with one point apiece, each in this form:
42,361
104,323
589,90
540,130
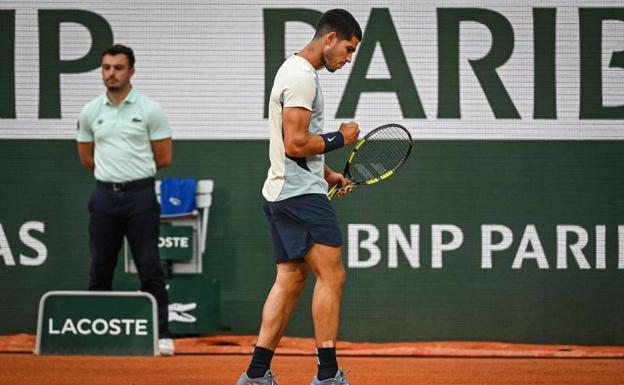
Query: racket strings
383,151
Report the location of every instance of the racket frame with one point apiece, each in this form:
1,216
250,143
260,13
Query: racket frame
357,146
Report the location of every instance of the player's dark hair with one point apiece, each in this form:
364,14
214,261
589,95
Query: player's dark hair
339,21
120,49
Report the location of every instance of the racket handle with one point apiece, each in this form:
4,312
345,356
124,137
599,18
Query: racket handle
332,192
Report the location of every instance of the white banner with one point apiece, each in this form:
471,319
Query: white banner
204,62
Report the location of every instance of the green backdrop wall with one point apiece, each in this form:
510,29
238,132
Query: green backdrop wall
547,184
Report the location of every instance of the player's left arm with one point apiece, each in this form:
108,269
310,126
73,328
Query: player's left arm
160,136
163,152
334,178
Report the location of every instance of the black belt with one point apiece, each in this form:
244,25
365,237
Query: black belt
125,186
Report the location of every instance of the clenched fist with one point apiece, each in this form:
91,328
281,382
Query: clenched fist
350,132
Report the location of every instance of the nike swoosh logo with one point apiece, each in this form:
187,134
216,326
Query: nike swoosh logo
330,139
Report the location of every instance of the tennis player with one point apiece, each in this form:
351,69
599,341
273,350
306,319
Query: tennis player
304,228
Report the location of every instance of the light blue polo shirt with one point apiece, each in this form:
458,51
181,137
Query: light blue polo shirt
122,136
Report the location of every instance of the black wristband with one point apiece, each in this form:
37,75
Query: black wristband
333,141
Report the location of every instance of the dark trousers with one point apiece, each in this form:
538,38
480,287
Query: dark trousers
129,210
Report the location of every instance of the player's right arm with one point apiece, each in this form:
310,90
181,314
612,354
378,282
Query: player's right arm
85,153
85,139
297,97
299,142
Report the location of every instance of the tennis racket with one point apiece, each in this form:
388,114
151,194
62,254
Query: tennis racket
376,156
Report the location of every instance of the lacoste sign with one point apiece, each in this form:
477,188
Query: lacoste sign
97,323
98,326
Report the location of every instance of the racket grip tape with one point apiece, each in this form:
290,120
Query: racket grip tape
333,191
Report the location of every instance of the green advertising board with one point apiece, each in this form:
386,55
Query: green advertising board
194,305
175,243
520,195
97,323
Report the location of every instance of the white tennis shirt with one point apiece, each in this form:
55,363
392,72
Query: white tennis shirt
296,85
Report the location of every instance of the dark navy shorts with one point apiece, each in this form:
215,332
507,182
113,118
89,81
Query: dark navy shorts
297,223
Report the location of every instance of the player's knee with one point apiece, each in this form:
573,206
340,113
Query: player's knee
294,289
340,277
293,283
335,278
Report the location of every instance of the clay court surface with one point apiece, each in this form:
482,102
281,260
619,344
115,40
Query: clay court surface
220,360
224,369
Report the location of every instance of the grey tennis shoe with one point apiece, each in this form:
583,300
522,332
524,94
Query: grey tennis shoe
339,379
268,379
